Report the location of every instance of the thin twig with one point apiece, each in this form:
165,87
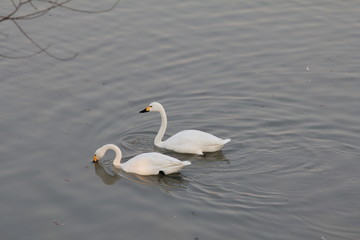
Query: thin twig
40,12
31,3
38,46
14,4
14,16
25,56
85,11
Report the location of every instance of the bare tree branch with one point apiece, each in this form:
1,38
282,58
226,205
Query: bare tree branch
84,11
15,16
25,56
41,12
38,46
35,8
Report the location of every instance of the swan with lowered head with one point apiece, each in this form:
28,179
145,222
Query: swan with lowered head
152,163
187,141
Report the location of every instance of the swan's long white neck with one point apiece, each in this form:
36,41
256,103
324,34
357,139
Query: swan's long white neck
118,154
161,132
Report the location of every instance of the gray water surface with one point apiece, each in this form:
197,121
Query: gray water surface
280,78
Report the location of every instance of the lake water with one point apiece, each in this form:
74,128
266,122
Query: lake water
280,78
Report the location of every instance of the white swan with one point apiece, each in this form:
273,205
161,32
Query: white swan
152,163
187,141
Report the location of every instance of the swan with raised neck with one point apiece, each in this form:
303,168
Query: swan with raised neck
187,141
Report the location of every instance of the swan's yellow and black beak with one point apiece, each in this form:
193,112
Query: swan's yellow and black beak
147,109
95,159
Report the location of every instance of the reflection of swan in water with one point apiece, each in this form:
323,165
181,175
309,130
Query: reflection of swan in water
215,157
105,173
168,183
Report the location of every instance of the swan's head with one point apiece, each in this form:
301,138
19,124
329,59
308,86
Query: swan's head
99,154
153,107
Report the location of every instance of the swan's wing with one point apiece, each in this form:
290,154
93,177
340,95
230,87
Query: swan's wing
193,141
153,163
194,136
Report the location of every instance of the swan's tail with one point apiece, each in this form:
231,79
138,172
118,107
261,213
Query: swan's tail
227,140
185,163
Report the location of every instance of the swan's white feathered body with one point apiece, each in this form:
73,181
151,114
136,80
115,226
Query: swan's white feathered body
187,141
193,141
153,163
143,164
